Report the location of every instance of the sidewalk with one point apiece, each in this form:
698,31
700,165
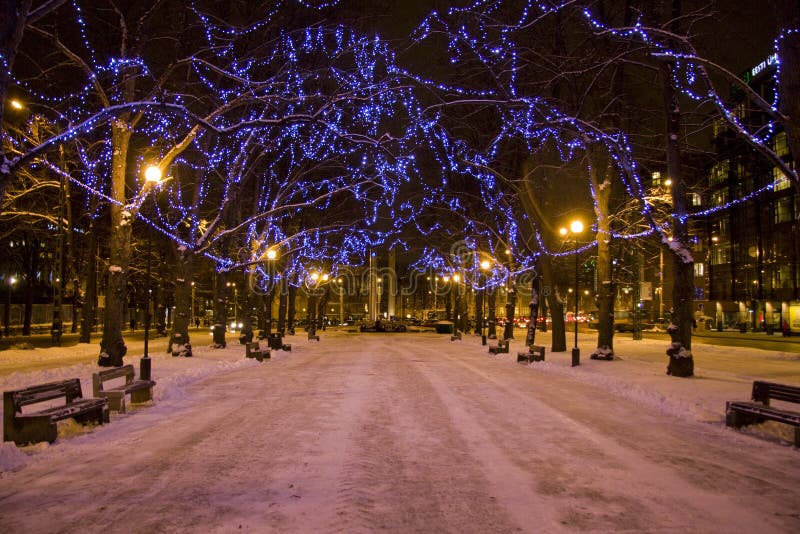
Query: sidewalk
756,336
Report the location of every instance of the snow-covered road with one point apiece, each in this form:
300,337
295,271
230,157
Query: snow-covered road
406,433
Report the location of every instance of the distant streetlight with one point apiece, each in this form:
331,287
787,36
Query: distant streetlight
485,265
576,227
235,299
16,104
317,280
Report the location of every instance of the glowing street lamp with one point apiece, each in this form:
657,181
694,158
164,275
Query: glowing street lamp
152,174
576,227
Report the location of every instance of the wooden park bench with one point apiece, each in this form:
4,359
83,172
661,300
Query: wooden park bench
535,354
501,347
139,390
741,413
253,350
30,426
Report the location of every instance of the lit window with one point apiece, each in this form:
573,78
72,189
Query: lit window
719,173
780,145
780,180
699,269
719,198
783,210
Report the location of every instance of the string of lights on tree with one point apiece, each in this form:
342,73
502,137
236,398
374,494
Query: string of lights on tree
325,119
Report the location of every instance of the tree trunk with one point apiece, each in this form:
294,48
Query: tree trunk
558,340
247,316
312,312
479,316
683,288
112,345
282,302
89,308
492,298
220,311
450,296
32,255
607,291
543,311
291,308
533,313
511,304
266,309
179,343
323,304
77,303
457,308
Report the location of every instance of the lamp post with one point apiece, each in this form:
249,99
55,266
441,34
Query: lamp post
265,325
325,278
447,305
435,292
317,280
152,175
192,307
340,287
11,281
457,302
576,227
485,264
235,300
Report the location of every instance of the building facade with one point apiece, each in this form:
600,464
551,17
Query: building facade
750,248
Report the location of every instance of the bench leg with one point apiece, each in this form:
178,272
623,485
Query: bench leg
736,419
98,415
116,400
31,431
797,437
732,418
141,395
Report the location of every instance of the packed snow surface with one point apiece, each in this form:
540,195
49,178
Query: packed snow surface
409,433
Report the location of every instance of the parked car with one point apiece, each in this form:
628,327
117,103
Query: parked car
623,321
